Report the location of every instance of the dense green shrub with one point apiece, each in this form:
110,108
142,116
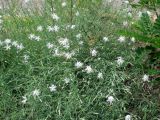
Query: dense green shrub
147,28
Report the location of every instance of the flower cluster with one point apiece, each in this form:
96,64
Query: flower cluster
8,44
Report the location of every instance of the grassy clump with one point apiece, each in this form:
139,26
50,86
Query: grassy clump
74,67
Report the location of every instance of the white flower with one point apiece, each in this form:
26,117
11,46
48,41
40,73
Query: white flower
145,78
74,6
39,28
37,38
149,13
89,69
93,52
68,26
15,43
24,99
53,88
68,55
126,2
64,4
7,47
121,39
7,41
80,42
120,61
56,52
55,16
128,117
78,64
36,92
133,39
34,37
110,99
105,39
49,45
66,46
50,28
31,36
73,26
66,80
26,57
125,23
20,46
100,75
77,13
56,28
53,9
64,42
78,36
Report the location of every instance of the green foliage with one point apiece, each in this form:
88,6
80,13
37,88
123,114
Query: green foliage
156,27
84,97
146,29
145,25
149,4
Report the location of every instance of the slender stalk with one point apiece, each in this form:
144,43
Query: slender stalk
52,8
71,16
71,12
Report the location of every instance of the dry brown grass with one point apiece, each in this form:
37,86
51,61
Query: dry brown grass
30,5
